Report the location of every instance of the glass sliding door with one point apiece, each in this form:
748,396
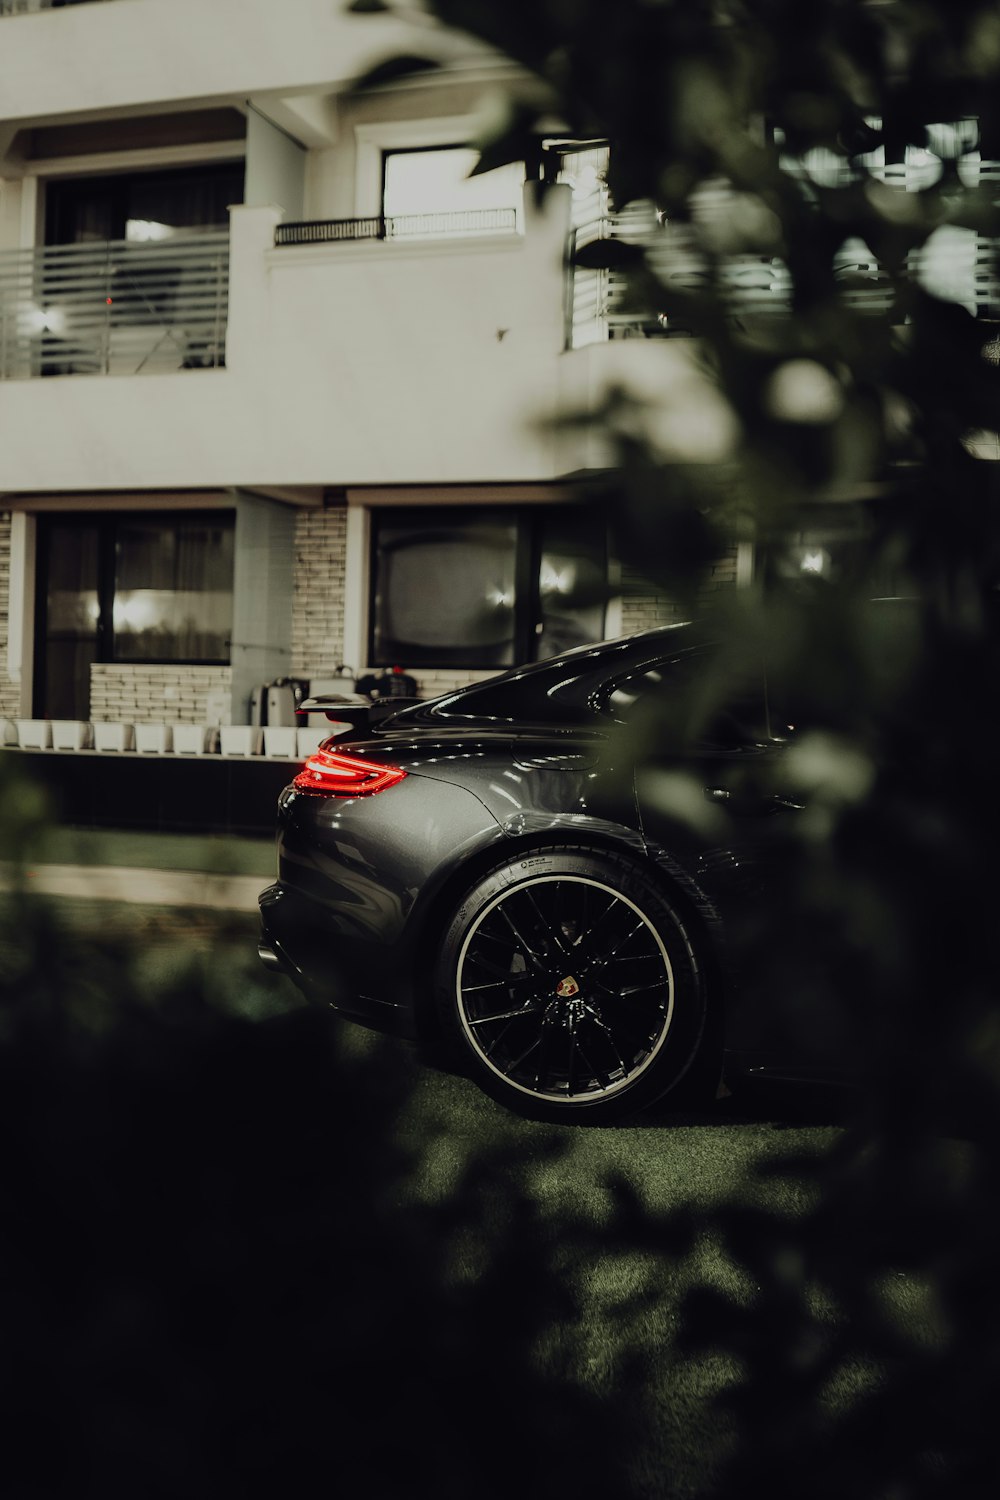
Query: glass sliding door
152,588
69,617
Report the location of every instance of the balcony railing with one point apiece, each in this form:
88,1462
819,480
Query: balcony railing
955,265
114,307
463,224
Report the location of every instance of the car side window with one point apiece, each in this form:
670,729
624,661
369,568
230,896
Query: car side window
634,689
682,692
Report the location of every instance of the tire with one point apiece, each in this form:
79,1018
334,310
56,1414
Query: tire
571,986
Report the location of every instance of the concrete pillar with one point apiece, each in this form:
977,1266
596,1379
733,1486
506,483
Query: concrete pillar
262,597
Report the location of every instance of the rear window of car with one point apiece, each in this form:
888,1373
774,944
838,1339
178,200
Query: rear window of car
574,689
689,694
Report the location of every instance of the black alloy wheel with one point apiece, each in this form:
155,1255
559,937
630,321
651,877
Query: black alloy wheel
572,985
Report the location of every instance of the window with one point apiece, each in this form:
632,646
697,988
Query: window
689,696
141,206
173,590
431,192
485,588
128,588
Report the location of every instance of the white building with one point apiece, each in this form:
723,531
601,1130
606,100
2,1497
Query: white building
272,372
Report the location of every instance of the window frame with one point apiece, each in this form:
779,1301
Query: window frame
64,190
528,521
107,524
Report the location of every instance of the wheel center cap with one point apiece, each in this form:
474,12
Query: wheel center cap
567,988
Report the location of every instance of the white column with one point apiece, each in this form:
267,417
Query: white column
21,616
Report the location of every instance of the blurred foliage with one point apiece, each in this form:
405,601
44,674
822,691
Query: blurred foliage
218,1278
217,1275
878,945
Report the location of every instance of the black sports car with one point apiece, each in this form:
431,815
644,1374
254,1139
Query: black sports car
509,867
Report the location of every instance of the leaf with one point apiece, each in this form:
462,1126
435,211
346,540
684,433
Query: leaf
609,255
509,135
500,153
392,70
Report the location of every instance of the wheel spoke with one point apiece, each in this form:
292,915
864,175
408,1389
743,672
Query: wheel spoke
636,1038
600,1074
505,982
571,1072
516,1062
519,938
634,933
631,991
550,928
588,936
503,1015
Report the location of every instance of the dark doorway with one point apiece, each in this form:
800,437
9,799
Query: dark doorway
69,616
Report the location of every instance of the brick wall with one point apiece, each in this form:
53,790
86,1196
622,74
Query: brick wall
152,695
10,692
723,574
433,681
644,607
318,593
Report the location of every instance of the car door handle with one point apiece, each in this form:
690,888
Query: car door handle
760,804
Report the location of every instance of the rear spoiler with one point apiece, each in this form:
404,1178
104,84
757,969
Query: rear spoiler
352,710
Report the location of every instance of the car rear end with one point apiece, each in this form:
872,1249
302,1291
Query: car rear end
367,832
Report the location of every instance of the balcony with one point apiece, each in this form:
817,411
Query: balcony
114,307
405,360
956,265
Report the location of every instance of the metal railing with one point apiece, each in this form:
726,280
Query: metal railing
114,307
602,304
462,224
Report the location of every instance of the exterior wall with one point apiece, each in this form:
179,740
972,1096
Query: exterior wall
433,681
724,574
113,57
368,363
644,607
318,593
143,694
275,168
10,692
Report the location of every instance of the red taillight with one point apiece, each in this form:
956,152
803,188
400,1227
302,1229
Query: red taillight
332,775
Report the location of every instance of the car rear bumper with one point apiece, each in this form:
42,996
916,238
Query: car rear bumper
299,938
